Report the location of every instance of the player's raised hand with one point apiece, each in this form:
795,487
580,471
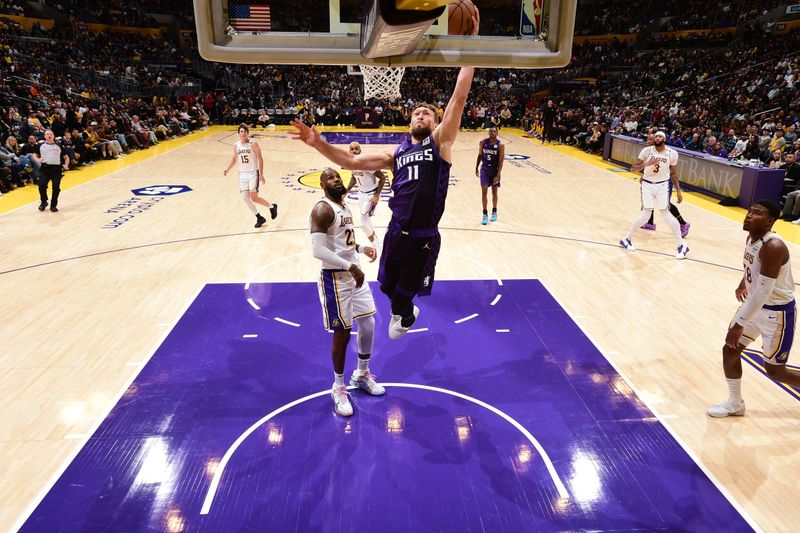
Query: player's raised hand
371,252
310,136
358,275
476,21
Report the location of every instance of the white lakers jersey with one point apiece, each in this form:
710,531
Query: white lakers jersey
341,235
784,286
659,172
246,157
367,181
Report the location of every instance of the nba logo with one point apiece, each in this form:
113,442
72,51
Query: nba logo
530,18
426,282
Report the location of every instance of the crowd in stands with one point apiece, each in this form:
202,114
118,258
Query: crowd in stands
732,98
12,7
601,17
90,122
113,12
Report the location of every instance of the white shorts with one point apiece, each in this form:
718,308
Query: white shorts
341,300
248,181
655,195
775,324
365,206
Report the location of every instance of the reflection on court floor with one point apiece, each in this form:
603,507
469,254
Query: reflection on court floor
500,415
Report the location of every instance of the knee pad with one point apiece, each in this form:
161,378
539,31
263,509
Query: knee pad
366,333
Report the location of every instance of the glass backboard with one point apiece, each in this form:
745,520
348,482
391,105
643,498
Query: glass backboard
513,33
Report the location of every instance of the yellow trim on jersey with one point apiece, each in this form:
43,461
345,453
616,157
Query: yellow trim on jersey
748,337
780,341
338,300
321,288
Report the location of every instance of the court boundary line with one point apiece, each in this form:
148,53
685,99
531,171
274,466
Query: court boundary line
722,489
286,230
216,480
182,142
696,198
29,510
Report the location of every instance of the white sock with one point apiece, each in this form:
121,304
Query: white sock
644,216
674,225
734,391
363,365
338,380
249,203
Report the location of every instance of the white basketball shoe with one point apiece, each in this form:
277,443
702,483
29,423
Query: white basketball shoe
366,381
726,409
396,329
341,401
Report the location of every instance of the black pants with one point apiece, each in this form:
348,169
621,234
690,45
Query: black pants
547,131
46,174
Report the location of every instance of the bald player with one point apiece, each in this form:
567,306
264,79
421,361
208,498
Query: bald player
345,298
370,186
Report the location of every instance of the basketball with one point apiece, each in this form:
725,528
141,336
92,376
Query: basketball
459,17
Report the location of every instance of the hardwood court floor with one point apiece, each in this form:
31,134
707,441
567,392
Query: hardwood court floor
88,293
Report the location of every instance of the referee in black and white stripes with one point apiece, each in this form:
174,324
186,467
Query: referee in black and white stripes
52,160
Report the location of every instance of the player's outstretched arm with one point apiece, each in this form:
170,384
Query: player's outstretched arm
340,156
446,132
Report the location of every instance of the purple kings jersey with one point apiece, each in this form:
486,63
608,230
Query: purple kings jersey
420,183
489,157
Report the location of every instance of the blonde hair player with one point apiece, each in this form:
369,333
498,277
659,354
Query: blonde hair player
370,185
344,296
660,166
251,173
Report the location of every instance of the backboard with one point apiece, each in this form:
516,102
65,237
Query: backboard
513,34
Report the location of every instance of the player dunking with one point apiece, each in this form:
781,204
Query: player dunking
421,167
659,163
342,292
768,308
370,185
491,152
251,173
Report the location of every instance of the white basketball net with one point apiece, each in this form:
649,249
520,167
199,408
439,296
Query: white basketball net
382,82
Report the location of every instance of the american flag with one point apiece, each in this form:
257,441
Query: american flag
253,17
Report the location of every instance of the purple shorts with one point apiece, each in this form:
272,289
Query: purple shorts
486,181
408,263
